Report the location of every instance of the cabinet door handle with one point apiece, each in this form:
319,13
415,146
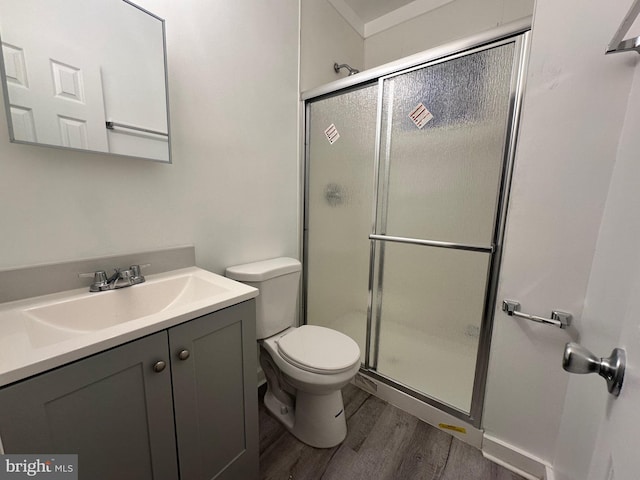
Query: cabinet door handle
184,354
159,366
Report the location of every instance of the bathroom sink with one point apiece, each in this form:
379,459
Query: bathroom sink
40,333
96,311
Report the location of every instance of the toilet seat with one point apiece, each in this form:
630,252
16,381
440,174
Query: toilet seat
318,349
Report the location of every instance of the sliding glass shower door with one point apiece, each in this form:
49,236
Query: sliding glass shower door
437,212
403,219
341,139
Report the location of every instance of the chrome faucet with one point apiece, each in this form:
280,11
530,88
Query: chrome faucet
101,283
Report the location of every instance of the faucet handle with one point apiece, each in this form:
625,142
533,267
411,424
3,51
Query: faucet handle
135,276
135,269
100,274
99,280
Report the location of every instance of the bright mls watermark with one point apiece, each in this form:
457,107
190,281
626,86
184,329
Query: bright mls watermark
45,466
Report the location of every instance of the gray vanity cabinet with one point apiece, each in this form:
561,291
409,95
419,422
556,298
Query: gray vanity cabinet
111,409
121,410
213,361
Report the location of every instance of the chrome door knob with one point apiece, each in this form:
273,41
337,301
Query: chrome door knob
577,359
159,366
183,354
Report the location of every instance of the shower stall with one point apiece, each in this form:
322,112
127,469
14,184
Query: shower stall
406,184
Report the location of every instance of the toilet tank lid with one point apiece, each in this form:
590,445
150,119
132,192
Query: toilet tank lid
263,270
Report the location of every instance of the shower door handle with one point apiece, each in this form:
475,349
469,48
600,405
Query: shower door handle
433,243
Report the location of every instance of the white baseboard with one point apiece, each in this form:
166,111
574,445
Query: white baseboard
515,459
550,475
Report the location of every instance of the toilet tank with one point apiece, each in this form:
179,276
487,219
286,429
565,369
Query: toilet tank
278,280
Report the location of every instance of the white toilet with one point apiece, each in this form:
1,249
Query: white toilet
305,366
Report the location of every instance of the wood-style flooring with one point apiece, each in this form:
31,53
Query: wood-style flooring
383,443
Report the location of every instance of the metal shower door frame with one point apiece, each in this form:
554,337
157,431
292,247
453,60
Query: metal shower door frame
519,35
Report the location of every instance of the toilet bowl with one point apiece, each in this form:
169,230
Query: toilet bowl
305,366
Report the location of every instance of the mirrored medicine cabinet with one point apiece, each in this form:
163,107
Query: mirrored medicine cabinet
85,75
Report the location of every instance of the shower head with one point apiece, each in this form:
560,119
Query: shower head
352,71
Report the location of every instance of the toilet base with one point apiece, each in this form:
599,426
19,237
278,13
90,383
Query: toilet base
317,420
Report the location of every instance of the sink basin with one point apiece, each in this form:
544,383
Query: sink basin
97,311
40,333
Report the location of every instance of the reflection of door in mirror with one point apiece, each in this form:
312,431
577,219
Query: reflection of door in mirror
85,74
56,97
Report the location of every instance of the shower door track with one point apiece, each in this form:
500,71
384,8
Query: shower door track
518,33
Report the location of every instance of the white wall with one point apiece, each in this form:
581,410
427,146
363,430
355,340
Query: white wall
232,189
326,38
453,21
574,110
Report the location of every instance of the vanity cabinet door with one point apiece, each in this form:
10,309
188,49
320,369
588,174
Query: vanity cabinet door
112,409
213,362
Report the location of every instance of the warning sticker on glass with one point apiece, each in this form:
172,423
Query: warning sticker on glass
420,115
332,134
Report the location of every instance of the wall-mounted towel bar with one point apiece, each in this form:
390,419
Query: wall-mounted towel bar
558,319
617,45
113,125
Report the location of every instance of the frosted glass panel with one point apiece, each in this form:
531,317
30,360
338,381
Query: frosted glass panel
432,307
443,178
342,132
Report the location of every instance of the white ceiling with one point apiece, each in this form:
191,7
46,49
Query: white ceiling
369,17
369,10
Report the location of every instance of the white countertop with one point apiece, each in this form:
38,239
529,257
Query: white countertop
29,345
